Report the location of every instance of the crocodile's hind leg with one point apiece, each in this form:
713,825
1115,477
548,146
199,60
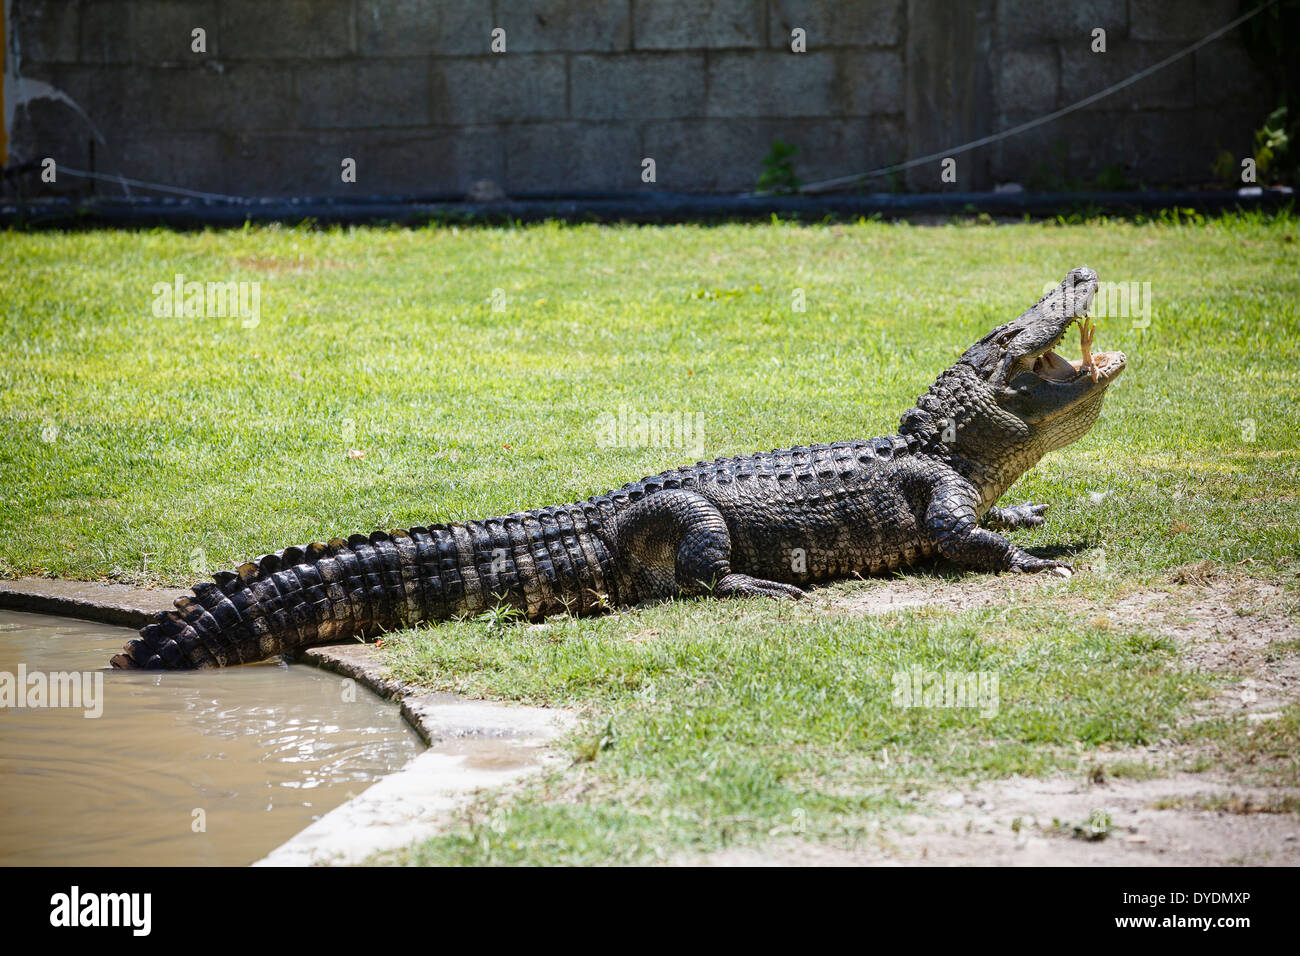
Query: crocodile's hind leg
676,542
742,585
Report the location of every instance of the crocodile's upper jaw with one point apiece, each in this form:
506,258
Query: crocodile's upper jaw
1012,397
1026,343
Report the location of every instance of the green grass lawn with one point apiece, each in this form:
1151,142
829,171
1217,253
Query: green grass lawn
150,449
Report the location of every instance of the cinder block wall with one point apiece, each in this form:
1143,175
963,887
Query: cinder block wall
587,89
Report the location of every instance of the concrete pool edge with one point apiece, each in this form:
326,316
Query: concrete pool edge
472,744
117,604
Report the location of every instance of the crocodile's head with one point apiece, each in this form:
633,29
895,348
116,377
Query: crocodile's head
1011,398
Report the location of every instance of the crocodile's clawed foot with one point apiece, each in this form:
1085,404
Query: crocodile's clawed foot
742,585
1028,564
1030,516
1017,516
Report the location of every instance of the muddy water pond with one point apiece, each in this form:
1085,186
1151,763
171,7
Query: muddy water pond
178,768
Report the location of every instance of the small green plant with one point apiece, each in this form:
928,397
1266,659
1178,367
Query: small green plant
778,175
500,616
595,745
1272,143
1097,827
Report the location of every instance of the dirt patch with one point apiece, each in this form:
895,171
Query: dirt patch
1227,625
949,593
1033,823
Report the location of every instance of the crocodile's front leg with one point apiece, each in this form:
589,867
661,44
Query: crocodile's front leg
1016,516
950,519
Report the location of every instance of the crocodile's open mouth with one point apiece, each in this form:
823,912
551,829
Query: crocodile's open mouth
1055,368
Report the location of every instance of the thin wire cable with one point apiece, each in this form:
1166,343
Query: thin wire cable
178,190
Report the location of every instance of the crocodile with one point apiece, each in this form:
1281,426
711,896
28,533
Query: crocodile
768,524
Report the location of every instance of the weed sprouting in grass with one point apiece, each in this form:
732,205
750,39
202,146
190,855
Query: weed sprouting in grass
1098,826
500,615
593,746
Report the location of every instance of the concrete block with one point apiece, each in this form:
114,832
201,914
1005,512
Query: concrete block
297,29
1084,73
707,155
869,82
356,94
509,87
829,23
265,163
88,600
44,32
456,159
104,27
696,24
1167,21
1226,76
773,83
388,28
241,96
1021,22
162,31
578,157
586,91
573,25
409,162
238,96
636,86
191,160
1026,81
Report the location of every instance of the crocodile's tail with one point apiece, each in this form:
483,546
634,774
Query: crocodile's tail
539,563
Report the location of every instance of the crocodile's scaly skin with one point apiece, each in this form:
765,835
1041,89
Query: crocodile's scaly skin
765,524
